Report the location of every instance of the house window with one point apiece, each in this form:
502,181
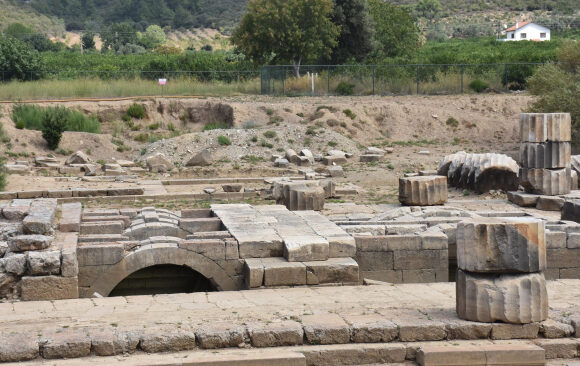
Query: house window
523,35
542,35
513,35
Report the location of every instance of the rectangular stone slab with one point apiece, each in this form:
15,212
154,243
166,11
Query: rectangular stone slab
494,245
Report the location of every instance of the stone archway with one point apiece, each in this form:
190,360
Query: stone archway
162,254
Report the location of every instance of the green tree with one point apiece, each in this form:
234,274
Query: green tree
154,36
88,41
428,9
53,125
19,61
396,31
356,30
558,85
29,36
293,31
118,35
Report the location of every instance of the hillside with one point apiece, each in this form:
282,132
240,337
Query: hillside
15,13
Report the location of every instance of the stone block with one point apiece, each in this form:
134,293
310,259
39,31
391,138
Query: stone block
40,217
333,270
232,187
334,160
546,155
514,354
110,343
550,203
49,288
461,329
23,243
279,272
370,158
70,220
201,224
403,242
488,298
355,354
554,329
501,245
433,355
167,340
15,264
341,246
423,191
102,254
420,259
371,328
43,263
276,334
523,199
291,156
546,182
571,211
543,127
305,198
18,347
306,247
336,171
420,329
390,276
419,276
66,344
16,210
555,239
563,258
559,348
325,329
375,261
102,227
220,335
212,249
281,163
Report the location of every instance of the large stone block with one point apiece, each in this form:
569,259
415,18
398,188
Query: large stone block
306,248
23,243
44,263
333,270
423,191
40,217
517,299
492,245
306,198
545,181
18,347
70,220
49,288
279,272
547,155
543,127
571,211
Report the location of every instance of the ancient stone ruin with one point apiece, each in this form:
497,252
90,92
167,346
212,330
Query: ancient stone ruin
423,191
500,270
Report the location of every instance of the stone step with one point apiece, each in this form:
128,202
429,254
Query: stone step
273,272
497,354
102,227
102,238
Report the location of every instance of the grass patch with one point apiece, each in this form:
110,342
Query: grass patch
31,117
224,140
332,143
215,126
253,159
142,137
265,143
327,107
350,114
270,134
153,126
136,111
452,122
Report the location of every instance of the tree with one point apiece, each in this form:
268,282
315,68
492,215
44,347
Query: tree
396,31
29,36
88,41
558,86
356,30
53,125
428,9
19,61
118,35
154,36
287,31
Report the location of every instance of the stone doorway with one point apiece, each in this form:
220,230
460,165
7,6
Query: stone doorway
163,279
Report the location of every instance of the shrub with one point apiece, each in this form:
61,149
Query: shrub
452,122
332,143
53,125
142,137
478,86
224,140
270,134
254,138
327,107
136,111
171,127
269,111
350,114
2,174
253,159
311,130
264,143
154,126
32,116
345,88
215,126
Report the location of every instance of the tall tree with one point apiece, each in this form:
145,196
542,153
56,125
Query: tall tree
356,30
428,9
287,31
88,40
118,35
396,31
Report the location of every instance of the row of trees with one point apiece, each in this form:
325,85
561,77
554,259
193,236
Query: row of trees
339,31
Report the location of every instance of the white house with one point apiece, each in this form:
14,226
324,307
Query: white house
527,31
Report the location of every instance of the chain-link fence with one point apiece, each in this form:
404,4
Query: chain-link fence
429,79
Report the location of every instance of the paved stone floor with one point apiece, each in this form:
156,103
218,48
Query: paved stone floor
421,303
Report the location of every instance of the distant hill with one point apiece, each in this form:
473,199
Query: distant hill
178,14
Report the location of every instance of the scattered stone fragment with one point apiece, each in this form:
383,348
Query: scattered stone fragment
423,191
232,187
202,158
374,151
523,199
370,158
281,163
291,156
209,190
78,158
336,171
550,203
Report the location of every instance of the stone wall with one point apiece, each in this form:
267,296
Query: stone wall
563,250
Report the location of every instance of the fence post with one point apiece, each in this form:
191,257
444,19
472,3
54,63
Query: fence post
374,79
328,78
417,79
283,80
461,79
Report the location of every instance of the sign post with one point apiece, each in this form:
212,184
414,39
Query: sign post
162,82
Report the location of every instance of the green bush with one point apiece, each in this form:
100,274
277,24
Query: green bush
350,114
215,126
142,137
270,134
136,111
478,86
452,122
345,88
153,126
32,116
2,174
53,125
224,140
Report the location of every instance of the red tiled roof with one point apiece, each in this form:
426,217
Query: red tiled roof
520,25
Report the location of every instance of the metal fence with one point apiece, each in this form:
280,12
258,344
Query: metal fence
427,79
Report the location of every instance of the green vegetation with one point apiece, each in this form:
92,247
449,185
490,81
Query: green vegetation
478,86
345,88
253,159
224,140
558,86
136,111
33,117
2,174
18,60
53,125
215,126
396,32
452,122
350,114
355,40
270,134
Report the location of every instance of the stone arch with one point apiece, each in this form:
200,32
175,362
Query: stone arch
159,254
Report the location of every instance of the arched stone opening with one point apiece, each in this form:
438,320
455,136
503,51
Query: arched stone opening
163,279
